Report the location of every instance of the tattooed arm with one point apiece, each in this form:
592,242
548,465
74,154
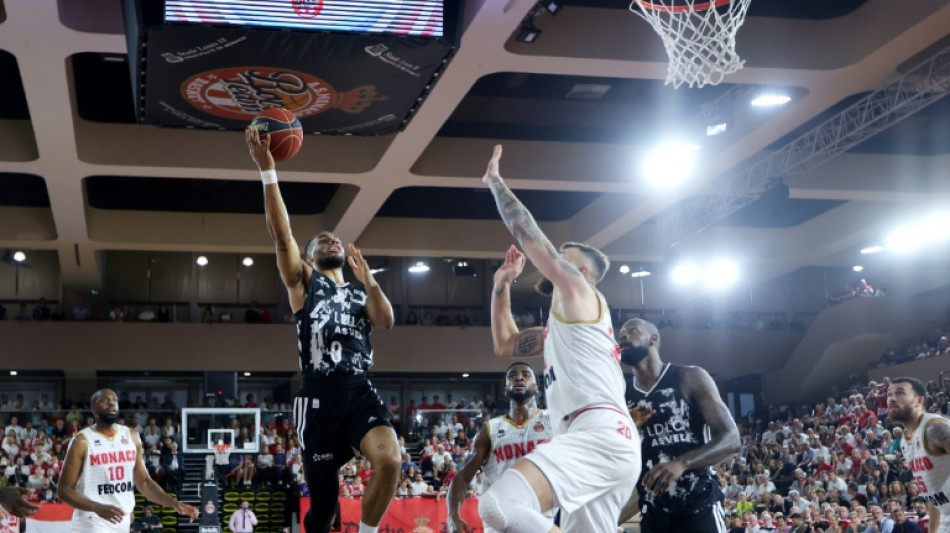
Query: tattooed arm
937,436
508,341
565,276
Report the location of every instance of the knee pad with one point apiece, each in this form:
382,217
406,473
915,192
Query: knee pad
511,506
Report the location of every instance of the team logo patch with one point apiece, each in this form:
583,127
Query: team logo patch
241,93
307,8
538,427
422,525
124,440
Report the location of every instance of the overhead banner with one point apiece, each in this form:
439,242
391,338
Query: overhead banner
417,17
221,76
409,515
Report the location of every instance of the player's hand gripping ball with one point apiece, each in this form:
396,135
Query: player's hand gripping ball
284,130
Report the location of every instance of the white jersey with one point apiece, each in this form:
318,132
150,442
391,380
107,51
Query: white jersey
510,442
931,472
107,477
582,366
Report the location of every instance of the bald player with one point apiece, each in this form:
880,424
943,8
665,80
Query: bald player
103,466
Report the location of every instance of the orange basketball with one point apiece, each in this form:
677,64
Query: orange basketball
284,130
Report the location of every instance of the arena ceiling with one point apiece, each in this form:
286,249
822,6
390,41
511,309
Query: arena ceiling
80,177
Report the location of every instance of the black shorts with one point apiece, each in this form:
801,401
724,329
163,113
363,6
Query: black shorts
707,520
331,420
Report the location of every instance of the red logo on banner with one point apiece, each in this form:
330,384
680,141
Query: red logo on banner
241,93
307,8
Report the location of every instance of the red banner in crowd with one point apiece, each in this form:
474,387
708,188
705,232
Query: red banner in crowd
410,515
50,518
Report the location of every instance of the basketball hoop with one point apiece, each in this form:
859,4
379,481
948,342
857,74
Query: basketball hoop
699,37
222,453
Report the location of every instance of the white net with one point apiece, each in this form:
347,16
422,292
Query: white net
699,36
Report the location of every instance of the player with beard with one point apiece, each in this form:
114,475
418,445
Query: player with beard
502,441
685,428
103,466
925,445
336,409
591,465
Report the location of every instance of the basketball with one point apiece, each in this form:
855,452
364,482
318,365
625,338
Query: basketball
284,130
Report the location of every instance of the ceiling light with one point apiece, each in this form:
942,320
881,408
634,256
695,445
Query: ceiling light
247,374
248,261
771,100
13,372
202,260
872,249
465,375
669,164
624,269
857,268
375,271
19,256
716,129
419,268
685,273
904,239
721,274
552,6
640,274
528,33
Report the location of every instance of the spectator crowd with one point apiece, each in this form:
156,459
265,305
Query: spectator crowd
831,467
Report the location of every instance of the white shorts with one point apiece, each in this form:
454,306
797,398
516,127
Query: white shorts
593,468
86,522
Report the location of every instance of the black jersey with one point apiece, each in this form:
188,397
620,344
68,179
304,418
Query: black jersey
333,329
673,430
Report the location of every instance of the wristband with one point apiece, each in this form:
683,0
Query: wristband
269,176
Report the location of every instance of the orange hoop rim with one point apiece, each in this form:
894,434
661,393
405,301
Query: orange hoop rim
222,448
702,6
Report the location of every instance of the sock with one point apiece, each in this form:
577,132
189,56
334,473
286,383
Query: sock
367,529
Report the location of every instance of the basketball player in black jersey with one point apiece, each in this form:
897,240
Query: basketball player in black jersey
687,430
337,409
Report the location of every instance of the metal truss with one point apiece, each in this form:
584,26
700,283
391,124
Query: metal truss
916,89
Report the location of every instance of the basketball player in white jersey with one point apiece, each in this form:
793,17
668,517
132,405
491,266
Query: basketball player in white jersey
502,441
925,445
591,466
103,466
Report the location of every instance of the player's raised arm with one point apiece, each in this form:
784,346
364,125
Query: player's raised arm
293,270
150,489
507,340
481,448
565,276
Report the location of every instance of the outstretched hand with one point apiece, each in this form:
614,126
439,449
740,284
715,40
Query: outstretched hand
492,172
641,413
360,267
511,268
15,501
662,476
187,510
259,148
